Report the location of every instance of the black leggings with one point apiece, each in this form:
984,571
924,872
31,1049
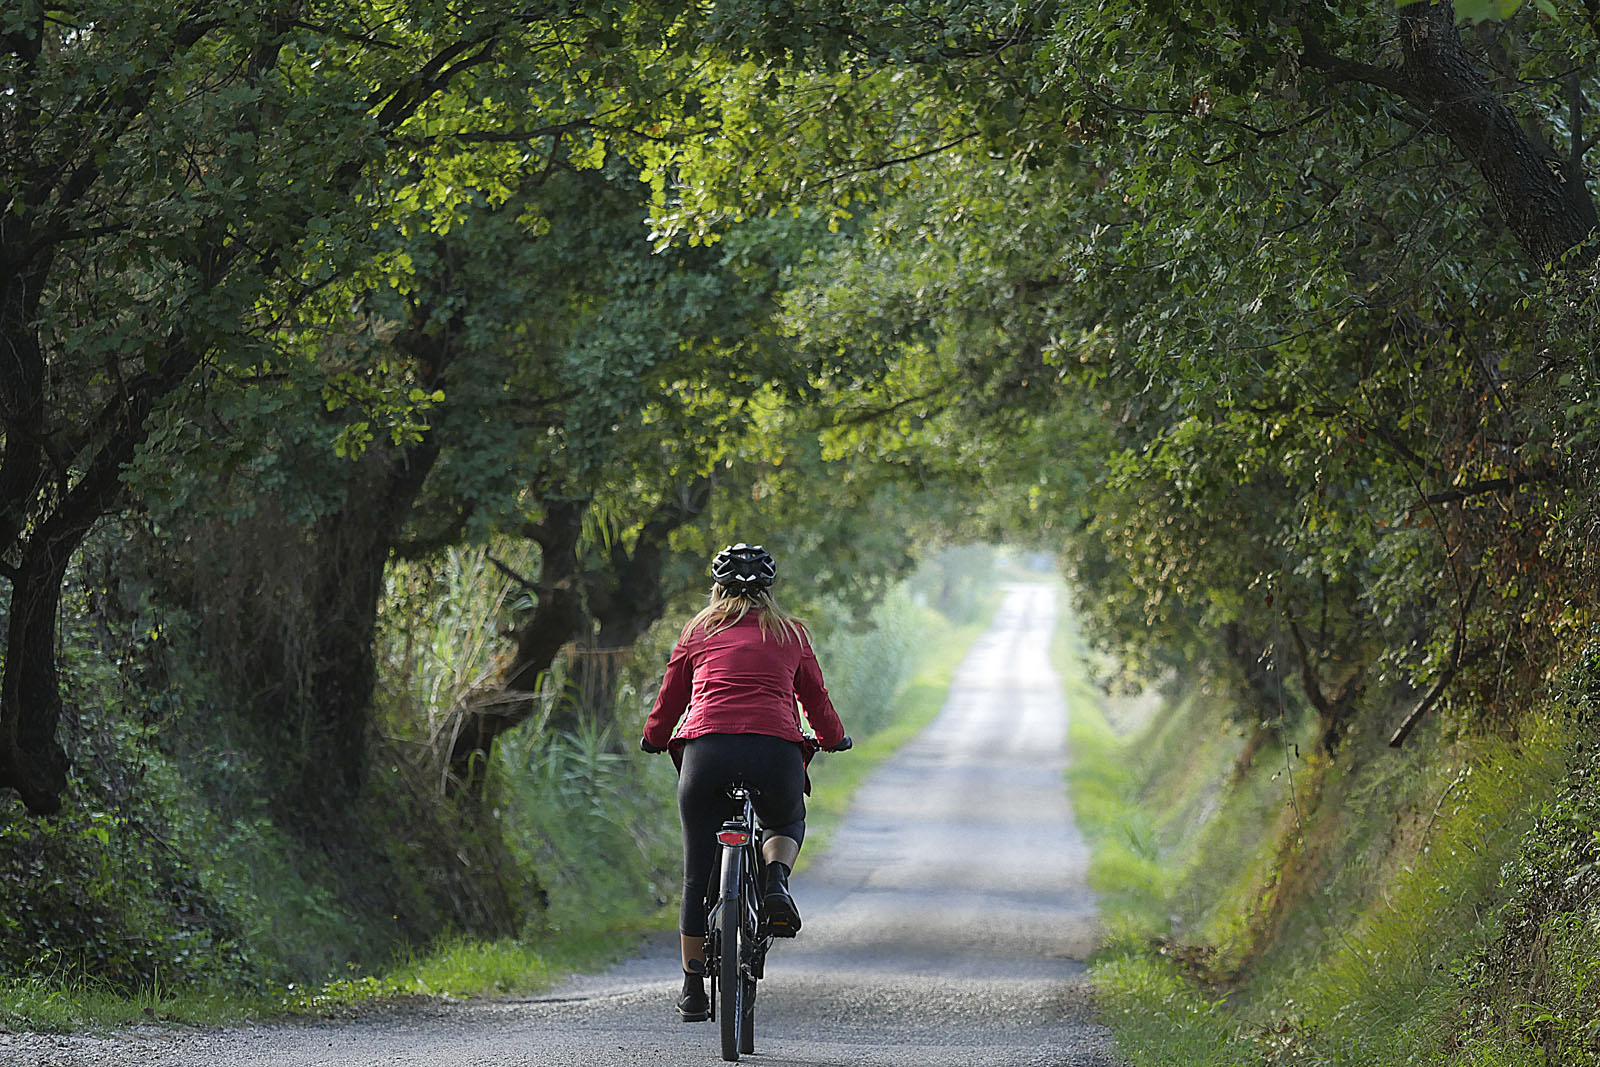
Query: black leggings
771,766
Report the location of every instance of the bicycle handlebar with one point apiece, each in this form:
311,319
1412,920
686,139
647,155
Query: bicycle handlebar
843,746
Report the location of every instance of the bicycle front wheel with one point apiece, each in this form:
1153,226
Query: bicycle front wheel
730,983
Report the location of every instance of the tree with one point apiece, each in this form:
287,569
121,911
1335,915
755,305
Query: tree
183,186
1248,251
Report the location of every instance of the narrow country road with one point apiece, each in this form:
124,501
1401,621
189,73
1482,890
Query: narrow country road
945,926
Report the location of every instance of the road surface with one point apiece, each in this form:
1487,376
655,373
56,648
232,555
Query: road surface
946,925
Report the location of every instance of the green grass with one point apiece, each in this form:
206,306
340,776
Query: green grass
573,941
454,968
50,1004
1343,913
464,967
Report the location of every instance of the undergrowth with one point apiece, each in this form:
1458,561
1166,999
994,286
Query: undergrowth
1436,905
171,890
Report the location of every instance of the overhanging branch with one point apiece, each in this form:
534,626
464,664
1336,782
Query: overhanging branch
1482,488
858,418
1317,57
1437,690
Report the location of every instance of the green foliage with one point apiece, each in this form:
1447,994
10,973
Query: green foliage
1379,910
1531,992
1156,272
592,817
107,891
867,667
1190,293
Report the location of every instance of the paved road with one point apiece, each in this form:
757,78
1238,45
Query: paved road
946,926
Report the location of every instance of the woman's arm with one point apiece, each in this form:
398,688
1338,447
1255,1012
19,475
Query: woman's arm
673,697
813,694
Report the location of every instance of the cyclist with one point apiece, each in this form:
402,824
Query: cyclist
737,670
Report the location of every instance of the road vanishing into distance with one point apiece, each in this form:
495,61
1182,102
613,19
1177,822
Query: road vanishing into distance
946,925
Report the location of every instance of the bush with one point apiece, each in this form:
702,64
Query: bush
866,665
105,890
592,818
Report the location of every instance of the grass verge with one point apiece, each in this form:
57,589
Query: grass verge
454,968
1267,905
57,1001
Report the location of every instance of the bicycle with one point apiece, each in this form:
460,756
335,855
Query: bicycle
737,932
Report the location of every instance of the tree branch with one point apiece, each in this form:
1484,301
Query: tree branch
511,572
1431,697
1578,146
120,111
429,543
885,164
495,136
1308,673
1316,56
1490,485
858,418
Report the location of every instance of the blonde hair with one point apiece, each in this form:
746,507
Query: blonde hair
726,609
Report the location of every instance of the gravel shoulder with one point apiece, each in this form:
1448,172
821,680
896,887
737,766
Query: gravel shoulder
947,925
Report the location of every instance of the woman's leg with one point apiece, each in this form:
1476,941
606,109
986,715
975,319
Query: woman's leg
778,771
779,849
701,808
774,768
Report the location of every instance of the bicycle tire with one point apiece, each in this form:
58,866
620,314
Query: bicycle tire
749,932
730,982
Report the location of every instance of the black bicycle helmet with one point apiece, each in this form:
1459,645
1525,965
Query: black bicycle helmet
744,570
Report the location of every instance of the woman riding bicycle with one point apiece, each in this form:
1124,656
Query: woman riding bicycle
737,670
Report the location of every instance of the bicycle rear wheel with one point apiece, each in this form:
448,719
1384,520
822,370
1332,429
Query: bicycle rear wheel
730,983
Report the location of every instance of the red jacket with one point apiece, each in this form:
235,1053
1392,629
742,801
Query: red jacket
738,681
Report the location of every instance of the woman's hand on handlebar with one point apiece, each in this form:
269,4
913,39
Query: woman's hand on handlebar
646,746
842,746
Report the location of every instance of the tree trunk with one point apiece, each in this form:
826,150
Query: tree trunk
557,618
1336,711
625,600
1543,199
352,552
32,761
43,533
30,696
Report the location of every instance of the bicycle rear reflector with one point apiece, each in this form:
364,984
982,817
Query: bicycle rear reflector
733,837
